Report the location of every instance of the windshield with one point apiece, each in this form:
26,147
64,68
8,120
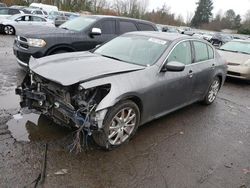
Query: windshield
237,46
78,24
134,49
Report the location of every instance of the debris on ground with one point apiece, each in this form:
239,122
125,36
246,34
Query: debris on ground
228,165
17,116
182,132
61,172
246,171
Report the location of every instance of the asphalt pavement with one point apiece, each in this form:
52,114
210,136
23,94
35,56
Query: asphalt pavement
198,146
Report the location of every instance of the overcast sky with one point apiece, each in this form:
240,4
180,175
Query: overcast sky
184,6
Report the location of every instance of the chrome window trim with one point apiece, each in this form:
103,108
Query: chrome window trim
185,40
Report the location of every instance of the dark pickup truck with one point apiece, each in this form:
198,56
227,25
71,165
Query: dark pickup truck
80,34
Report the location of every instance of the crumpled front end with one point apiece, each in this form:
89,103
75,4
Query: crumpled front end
72,105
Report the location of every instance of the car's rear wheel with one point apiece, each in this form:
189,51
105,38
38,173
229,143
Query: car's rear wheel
9,30
212,91
120,124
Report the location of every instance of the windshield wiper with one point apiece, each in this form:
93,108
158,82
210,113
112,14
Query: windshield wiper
113,58
234,51
64,28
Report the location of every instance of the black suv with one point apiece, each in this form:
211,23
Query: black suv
79,34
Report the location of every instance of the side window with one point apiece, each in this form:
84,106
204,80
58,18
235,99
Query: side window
13,11
38,12
210,52
181,53
36,19
201,52
146,27
108,26
126,26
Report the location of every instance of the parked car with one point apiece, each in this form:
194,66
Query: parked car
10,25
3,5
6,12
18,7
59,20
79,34
60,17
219,39
131,80
36,11
237,55
45,7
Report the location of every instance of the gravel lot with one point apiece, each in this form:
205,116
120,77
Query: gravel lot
197,146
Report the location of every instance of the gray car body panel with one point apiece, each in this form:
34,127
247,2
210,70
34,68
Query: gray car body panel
159,92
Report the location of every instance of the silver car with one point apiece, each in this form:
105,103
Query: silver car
23,22
237,55
131,80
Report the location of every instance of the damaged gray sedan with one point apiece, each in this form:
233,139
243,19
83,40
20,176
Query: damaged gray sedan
124,83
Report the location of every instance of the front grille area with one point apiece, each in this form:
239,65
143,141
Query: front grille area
23,39
22,42
23,57
233,73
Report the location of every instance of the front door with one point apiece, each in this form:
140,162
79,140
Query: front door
175,88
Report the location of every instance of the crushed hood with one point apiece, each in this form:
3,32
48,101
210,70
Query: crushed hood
233,57
70,68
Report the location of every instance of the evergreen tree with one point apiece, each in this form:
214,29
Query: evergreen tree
237,22
203,13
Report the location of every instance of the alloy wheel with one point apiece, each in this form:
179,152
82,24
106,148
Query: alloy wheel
122,126
9,30
213,91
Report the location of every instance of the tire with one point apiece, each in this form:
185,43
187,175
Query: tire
212,91
59,52
9,30
120,125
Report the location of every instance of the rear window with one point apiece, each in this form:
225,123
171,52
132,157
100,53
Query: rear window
126,26
3,11
201,52
13,11
146,27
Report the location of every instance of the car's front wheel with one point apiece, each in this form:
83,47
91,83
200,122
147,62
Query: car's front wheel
9,30
120,124
212,91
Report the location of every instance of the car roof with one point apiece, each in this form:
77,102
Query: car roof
17,15
161,35
126,18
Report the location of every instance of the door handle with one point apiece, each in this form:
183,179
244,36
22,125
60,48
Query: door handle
190,73
213,66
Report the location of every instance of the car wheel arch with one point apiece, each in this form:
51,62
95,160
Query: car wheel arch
106,103
60,47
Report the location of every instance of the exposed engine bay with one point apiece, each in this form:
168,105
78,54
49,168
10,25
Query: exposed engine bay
71,106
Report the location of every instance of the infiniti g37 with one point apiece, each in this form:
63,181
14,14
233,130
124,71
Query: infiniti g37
131,80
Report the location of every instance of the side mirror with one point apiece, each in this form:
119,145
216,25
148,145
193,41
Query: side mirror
173,66
95,31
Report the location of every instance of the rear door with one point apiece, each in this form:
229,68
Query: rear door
37,21
203,68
